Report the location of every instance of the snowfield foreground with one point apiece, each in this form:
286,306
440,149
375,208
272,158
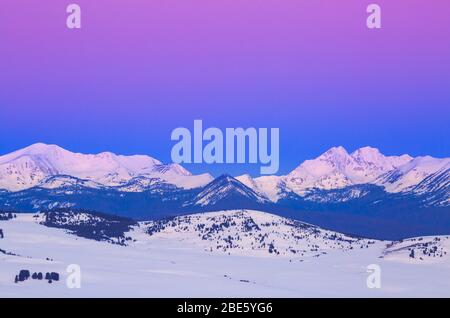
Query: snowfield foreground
219,254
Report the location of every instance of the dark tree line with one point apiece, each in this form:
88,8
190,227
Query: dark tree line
97,226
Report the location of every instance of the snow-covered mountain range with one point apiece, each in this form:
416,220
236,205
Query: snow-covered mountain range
336,169
34,165
51,166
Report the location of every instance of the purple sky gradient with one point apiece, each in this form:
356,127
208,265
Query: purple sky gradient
138,69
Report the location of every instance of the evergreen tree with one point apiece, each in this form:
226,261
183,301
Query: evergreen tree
24,275
54,276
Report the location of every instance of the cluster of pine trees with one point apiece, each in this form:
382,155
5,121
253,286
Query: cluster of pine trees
5,216
24,275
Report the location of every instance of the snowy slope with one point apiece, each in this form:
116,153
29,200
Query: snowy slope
267,186
63,181
428,249
176,263
436,187
29,166
407,176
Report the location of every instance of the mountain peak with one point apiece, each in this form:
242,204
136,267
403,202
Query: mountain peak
374,156
39,148
228,191
336,151
367,150
367,155
336,157
39,145
226,177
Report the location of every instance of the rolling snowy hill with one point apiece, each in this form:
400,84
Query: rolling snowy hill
247,232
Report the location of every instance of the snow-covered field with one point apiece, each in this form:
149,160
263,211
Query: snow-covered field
267,256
